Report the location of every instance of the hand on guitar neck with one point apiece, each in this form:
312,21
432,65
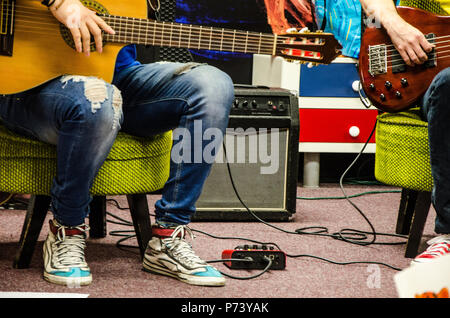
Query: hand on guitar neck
82,23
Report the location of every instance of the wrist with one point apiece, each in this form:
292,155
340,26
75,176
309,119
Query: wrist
52,4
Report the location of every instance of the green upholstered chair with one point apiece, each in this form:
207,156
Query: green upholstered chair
402,160
134,167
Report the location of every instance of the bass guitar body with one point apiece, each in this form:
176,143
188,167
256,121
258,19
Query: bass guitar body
40,50
389,83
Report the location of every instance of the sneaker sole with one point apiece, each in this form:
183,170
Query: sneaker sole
189,279
68,281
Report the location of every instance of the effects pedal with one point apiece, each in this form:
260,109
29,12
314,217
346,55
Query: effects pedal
254,257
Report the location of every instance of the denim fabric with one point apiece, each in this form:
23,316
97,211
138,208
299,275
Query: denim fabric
82,120
436,111
190,98
83,130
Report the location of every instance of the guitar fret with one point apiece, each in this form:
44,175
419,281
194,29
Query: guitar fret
234,38
171,30
154,32
246,42
189,38
179,37
259,44
162,33
139,31
210,37
200,38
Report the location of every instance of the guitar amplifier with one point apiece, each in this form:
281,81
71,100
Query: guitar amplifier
261,148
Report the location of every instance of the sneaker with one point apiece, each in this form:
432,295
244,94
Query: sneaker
439,246
168,253
64,262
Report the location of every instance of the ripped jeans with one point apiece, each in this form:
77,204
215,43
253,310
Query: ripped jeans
82,117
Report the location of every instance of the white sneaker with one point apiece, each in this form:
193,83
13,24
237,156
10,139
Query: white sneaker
64,261
438,246
168,253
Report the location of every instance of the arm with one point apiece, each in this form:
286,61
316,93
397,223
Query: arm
409,41
81,22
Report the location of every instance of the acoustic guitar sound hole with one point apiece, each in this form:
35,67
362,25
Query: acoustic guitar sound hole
67,35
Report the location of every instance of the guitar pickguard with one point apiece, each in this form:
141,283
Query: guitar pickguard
92,5
7,10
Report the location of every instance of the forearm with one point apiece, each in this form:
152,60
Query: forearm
53,3
408,40
383,11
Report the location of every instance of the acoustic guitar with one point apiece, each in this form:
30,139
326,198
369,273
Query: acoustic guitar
35,47
389,83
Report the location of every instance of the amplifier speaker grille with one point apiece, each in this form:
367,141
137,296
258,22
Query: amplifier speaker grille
262,150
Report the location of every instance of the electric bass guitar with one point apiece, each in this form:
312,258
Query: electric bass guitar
389,83
35,47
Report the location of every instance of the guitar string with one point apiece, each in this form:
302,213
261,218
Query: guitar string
238,40
131,20
228,47
216,47
401,59
41,31
394,50
215,44
432,59
249,45
42,11
392,45
438,46
438,49
237,34
227,33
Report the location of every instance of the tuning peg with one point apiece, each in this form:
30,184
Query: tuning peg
292,30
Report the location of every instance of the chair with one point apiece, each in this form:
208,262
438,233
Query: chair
402,160
134,167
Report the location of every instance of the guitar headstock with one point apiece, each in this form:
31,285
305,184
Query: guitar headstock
308,47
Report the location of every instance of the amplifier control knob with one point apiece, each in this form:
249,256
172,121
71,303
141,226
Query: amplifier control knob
254,104
354,131
244,104
236,103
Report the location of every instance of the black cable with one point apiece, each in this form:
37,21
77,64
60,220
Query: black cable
252,276
348,235
353,236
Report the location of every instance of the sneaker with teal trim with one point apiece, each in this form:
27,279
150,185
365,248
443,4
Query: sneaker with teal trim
169,254
64,261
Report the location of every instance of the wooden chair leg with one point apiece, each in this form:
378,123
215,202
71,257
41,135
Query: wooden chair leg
406,211
141,219
35,217
97,217
418,221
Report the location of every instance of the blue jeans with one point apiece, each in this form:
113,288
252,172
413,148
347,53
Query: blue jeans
436,111
82,117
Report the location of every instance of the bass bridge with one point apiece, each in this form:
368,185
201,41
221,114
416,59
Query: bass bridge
7,10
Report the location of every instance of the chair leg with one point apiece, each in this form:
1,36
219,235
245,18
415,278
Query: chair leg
418,221
141,219
97,217
34,220
406,211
